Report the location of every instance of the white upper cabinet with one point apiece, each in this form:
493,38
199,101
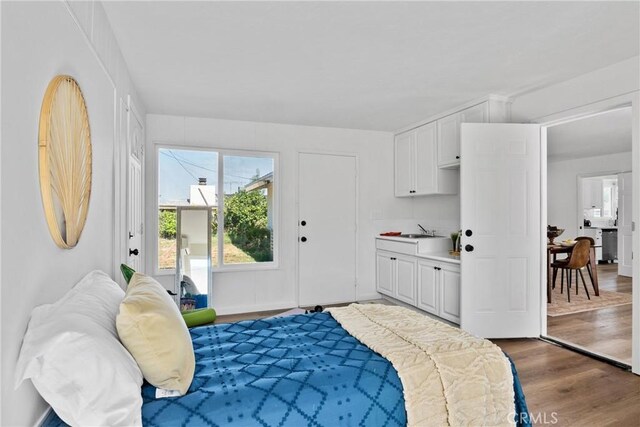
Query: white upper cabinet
449,140
404,163
416,165
427,156
592,193
426,174
449,133
476,114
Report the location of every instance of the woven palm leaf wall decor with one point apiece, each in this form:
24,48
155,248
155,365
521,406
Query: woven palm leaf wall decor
64,151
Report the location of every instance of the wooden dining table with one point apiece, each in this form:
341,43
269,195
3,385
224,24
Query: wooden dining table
554,249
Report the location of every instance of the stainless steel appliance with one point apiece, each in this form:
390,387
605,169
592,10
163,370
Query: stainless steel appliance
609,244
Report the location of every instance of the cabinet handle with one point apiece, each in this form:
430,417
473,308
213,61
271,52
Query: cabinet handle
457,157
393,259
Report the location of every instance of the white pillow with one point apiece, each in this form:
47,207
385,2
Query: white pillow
74,358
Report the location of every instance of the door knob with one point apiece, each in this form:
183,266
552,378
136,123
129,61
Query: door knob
133,252
468,233
468,248
303,223
303,239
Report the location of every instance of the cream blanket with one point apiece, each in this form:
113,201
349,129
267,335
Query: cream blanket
449,376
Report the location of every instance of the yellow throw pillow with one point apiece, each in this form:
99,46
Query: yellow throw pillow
151,327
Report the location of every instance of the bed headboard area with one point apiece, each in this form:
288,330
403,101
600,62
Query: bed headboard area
35,270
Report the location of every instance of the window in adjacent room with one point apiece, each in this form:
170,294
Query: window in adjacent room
240,189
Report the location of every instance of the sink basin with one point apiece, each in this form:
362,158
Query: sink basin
415,236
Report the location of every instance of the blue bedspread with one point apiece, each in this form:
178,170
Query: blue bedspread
289,371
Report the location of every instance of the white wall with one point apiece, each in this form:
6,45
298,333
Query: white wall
562,187
39,41
379,210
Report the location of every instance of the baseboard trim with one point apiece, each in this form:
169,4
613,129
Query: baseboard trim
255,308
43,417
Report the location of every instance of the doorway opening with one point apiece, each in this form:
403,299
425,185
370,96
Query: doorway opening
589,215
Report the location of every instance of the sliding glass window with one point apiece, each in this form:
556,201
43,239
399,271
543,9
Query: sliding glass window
239,188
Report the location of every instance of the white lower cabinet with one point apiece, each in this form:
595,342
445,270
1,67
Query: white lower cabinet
430,285
396,276
405,279
449,292
384,273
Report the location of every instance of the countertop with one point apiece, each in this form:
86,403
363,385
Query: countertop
408,240
437,255
440,256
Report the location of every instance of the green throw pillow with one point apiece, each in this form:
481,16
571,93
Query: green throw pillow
127,272
198,317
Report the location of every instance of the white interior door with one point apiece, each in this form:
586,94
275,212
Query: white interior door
502,235
135,221
625,215
327,229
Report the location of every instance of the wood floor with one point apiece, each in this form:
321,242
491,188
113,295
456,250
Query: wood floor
606,331
576,389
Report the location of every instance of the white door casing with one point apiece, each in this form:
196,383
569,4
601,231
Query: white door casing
327,242
500,209
135,202
625,218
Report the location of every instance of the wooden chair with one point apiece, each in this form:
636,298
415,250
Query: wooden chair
577,261
591,242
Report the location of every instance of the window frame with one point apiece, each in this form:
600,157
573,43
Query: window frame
222,152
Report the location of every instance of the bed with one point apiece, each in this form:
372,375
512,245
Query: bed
287,371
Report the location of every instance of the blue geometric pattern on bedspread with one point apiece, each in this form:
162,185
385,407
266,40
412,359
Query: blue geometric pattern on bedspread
289,371
302,370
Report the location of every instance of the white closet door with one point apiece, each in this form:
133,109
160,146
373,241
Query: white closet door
327,229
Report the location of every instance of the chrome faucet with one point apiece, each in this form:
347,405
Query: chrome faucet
430,233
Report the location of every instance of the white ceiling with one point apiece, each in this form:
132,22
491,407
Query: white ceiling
364,65
598,135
